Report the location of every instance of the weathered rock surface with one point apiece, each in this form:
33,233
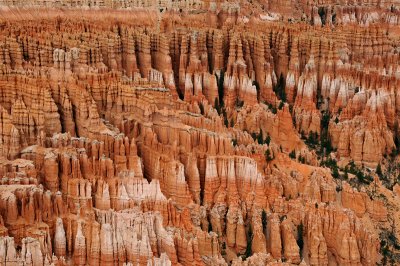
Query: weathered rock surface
147,138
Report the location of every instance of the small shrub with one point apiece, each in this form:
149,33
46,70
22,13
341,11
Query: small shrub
268,139
264,219
335,173
345,175
379,171
300,241
268,156
272,108
234,142
260,137
249,243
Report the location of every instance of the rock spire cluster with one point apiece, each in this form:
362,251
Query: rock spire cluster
199,132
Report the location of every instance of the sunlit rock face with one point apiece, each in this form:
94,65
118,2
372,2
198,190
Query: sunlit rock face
199,132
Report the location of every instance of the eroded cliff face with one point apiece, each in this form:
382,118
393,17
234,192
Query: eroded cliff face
138,138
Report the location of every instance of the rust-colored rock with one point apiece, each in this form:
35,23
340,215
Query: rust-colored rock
199,132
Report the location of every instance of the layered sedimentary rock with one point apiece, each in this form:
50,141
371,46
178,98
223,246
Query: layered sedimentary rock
161,141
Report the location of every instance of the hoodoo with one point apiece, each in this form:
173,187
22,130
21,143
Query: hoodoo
199,132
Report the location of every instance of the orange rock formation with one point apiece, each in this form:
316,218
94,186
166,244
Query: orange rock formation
183,132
